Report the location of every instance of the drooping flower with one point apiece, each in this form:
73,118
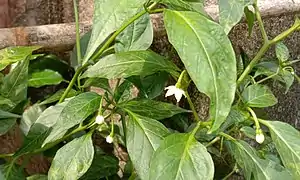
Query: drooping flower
176,91
109,139
99,119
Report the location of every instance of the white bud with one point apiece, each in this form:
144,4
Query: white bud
99,119
260,138
109,139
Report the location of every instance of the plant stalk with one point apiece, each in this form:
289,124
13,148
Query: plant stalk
79,58
103,48
264,49
191,104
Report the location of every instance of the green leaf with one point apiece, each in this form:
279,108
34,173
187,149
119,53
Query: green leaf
257,95
248,131
287,78
43,78
11,55
143,137
5,101
37,177
181,157
183,5
137,36
109,16
50,62
5,114
56,96
41,129
235,117
11,172
98,82
6,125
75,112
282,52
84,41
126,64
208,57
14,85
102,166
253,166
152,109
250,17
124,92
231,12
29,117
72,160
150,86
287,143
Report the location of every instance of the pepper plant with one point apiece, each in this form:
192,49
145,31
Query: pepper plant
126,112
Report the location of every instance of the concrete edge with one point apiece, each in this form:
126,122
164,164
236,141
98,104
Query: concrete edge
49,36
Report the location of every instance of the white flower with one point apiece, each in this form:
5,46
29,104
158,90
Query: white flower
99,119
176,91
260,138
109,139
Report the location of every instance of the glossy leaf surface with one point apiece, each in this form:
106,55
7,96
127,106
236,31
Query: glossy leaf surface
56,96
29,117
14,85
208,56
137,36
287,143
41,129
181,157
11,55
253,166
72,160
231,12
75,112
43,78
109,15
183,5
5,114
11,172
282,52
98,82
6,125
258,96
37,177
126,64
152,109
102,166
143,137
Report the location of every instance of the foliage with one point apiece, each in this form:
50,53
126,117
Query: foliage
163,140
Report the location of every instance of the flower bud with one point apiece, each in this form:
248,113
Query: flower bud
99,119
260,138
109,139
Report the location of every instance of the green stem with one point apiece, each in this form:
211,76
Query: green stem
260,23
264,49
192,106
112,38
156,11
77,32
124,127
5,155
73,81
213,141
269,77
254,118
227,136
231,173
